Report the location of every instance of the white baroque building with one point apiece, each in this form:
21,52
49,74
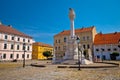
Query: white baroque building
11,44
106,44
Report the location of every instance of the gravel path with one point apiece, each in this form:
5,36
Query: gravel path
51,72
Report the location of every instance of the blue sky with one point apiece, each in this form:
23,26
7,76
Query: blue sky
42,19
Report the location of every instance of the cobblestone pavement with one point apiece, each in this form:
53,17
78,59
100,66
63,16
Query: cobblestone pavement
51,72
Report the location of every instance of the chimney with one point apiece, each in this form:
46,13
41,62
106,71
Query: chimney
0,23
115,32
9,25
100,32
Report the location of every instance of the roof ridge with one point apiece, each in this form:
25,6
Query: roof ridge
42,44
11,30
66,32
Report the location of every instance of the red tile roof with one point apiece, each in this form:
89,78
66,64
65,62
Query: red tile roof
111,38
12,31
67,32
42,44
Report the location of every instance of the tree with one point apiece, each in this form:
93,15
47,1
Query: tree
114,55
47,54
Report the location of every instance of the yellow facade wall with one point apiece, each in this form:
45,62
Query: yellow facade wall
38,50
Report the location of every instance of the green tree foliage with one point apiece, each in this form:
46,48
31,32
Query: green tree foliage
115,53
47,54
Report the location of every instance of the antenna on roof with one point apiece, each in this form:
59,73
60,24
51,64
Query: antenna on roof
115,33
82,27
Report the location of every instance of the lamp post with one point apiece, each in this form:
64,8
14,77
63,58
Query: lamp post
24,55
82,49
102,54
78,42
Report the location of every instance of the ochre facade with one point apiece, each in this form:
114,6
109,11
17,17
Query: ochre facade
86,35
39,48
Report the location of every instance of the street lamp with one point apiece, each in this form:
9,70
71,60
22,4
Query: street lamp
24,55
78,41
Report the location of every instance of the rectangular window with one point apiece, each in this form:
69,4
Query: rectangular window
56,41
59,48
102,49
11,56
12,38
23,47
59,41
65,39
5,37
18,39
23,40
28,48
115,49
5,46
12,46
4,56
109,49
98,56
17,56
28,40
22,55
83,38
55,48
27,55
17,47
87,37
97,49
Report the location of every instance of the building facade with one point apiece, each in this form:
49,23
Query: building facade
11,44
106,44
39,48
86,35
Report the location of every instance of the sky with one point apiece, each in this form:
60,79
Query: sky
42,19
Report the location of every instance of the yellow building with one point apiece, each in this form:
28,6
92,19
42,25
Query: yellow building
86,40
39,48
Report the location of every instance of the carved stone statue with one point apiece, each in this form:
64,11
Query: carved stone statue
71,14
